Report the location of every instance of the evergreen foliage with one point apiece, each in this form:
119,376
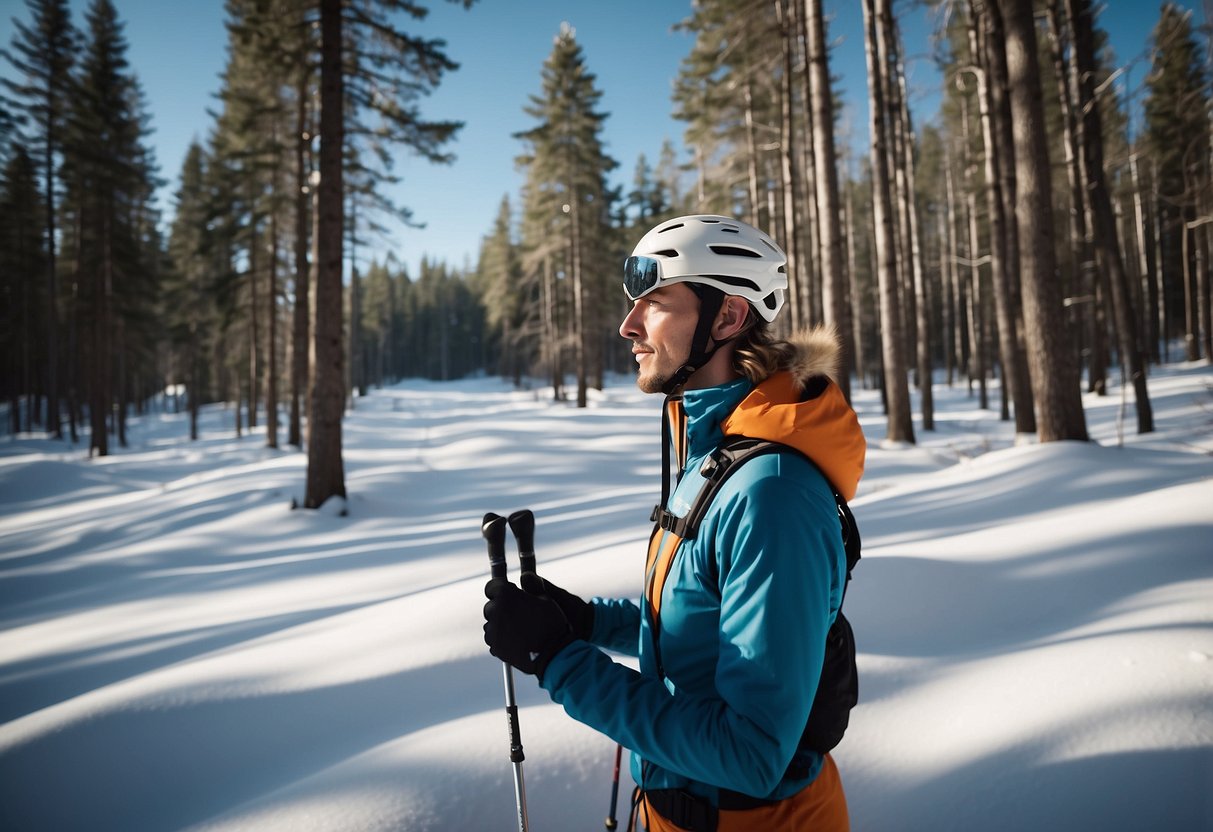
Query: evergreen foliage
566,229
43,53
22,289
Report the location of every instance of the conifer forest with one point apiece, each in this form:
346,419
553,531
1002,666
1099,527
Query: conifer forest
1047,228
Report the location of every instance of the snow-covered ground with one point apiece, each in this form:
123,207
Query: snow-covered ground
180,650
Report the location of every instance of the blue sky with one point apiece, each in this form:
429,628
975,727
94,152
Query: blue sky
178,49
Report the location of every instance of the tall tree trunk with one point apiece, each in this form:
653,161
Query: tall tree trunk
301,330
1165,326
985,39
798,288
1206,286
976,307
271,355
835,309
1001,174
74,362
1054,371
921,305
1132,356
975,312
194,382
1083,279
955,303
254,339
325,470
552,332
751,154
854,334
899,145
579,323
355,378
1146,264
809,237
100,382
900,423
121,401
54,424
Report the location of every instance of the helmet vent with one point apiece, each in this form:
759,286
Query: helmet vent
731,280
666,252
670,228
734,251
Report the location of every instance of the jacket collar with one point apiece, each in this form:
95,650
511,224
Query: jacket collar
706,409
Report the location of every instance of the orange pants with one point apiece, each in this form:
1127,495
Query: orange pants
820,806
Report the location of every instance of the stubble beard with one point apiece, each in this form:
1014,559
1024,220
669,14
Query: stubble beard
655,379
651,382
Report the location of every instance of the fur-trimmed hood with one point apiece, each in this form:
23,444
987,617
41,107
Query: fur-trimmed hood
816,352
803,406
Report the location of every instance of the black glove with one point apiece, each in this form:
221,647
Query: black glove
579,613
524,630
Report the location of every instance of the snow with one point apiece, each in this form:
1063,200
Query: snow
181,650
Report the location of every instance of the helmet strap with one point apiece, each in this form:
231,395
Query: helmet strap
710,301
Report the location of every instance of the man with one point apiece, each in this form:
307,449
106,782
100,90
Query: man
732,627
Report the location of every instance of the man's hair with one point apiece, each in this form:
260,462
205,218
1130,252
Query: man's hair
757,354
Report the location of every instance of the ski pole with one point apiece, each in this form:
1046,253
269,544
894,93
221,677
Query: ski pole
522,524
493,529
611,823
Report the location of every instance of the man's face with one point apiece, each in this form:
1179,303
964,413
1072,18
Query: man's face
660,327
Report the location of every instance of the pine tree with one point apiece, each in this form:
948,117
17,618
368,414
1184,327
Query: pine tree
834,293
1107,243
325,469
110,178
509,304
567,210
22,289
44,53
189,305
896,387
385,71
725,92
378,326
264,133
988,46
1053,371
1177,138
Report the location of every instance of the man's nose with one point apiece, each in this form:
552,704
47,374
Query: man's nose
630,328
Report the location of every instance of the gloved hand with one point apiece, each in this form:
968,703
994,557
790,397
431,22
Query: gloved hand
579,613
524,630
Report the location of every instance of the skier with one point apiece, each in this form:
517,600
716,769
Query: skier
731,629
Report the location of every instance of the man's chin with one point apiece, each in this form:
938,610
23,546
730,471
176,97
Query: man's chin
651,383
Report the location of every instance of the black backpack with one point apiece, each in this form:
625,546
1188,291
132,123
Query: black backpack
838,690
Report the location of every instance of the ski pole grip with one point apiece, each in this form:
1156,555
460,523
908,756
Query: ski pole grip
522,524
493,529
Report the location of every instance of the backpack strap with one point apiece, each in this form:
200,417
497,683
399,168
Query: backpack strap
720,465
717,468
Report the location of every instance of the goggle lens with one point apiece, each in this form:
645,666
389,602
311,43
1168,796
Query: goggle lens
640,276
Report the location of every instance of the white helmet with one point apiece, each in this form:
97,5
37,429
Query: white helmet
728,254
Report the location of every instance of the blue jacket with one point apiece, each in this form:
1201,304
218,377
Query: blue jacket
743,620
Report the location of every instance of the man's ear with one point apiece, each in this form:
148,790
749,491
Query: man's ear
733,314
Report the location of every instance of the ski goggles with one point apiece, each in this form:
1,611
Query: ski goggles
640,276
